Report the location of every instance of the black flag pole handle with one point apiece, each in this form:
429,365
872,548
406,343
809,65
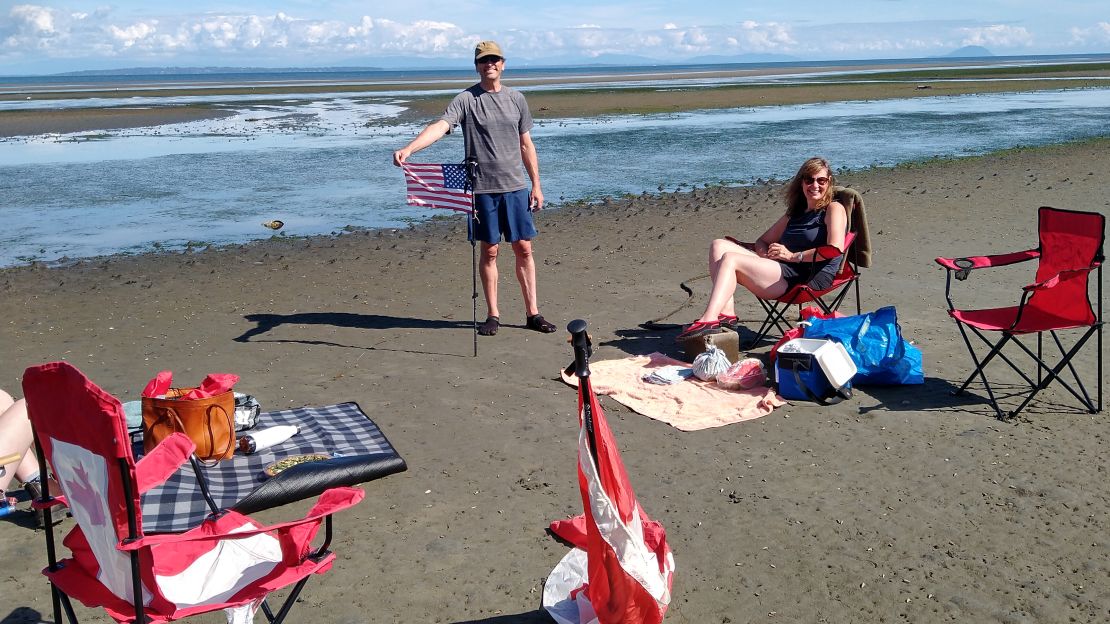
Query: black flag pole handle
583,349
471,165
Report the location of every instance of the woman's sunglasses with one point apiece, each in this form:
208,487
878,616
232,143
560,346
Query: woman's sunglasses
811,180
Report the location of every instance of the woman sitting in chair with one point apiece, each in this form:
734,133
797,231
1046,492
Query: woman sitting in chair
786,255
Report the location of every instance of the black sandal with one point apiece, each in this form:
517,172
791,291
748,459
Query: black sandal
538,323
490,326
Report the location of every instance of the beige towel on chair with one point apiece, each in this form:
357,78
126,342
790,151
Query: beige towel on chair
857,222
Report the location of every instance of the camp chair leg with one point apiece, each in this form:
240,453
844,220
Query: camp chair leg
775,317
1002,355
1054,374
288,604
56,603
979,364
1040,355
1086,400
61,602
979,368
1100,351
1045,374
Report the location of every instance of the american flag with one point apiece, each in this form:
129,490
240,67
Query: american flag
437,186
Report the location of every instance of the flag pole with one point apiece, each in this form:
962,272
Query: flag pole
583,349
471,165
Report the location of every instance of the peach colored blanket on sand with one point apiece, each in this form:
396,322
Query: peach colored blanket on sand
689,405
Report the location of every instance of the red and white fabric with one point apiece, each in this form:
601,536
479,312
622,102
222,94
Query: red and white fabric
226,562
621,569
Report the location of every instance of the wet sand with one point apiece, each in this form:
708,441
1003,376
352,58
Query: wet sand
582,100
904,504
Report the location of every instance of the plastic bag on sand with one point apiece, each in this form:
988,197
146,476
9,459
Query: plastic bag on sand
562,595
743,375
875,343
710,362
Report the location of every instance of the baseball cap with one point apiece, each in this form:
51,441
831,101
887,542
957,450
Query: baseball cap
487,48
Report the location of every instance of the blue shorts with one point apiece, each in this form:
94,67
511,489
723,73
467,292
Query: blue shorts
502,214
803,272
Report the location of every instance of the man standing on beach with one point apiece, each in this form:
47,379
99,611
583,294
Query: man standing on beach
497,126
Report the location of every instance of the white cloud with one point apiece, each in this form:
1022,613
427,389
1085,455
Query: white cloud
35,19
1097,34
33,32
997,35
135,33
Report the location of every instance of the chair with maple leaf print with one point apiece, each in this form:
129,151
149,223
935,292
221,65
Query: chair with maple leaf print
228,562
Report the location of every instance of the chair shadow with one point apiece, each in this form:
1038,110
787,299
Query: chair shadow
23,615
934,395
267,322
539,616
646,341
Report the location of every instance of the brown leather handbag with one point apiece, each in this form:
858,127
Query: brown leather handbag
209,422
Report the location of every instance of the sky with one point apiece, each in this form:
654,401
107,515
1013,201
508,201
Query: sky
50,36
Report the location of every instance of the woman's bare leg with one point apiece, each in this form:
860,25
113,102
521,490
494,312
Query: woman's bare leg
762,276
15,437
717,250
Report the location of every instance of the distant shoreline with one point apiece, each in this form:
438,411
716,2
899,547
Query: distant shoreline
619,95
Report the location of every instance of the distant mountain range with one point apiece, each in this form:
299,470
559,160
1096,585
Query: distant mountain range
401,63
969,52
200,71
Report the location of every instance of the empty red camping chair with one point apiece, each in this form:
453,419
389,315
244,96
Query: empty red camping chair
228,562
1071,247
857,254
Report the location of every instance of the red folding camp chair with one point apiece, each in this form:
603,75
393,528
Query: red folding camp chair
228,562
829,299
1071,247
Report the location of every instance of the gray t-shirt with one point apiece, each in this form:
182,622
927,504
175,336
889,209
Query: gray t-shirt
492,124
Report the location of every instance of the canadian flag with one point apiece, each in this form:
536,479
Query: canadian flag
621,569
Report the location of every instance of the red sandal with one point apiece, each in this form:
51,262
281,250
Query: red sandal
728,322
698,329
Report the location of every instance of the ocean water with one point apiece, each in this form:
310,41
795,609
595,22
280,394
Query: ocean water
322,163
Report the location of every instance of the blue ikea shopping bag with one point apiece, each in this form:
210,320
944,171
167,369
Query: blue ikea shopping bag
875,343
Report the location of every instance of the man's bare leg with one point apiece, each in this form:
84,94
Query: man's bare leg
526,275
487,271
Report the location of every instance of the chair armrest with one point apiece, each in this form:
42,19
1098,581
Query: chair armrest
986,262
162,461
1053,281
331,501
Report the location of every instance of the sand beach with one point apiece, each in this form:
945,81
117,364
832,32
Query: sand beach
904,504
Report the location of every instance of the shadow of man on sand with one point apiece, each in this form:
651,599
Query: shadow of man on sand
266,322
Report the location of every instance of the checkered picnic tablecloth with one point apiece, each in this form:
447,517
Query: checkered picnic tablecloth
341,430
